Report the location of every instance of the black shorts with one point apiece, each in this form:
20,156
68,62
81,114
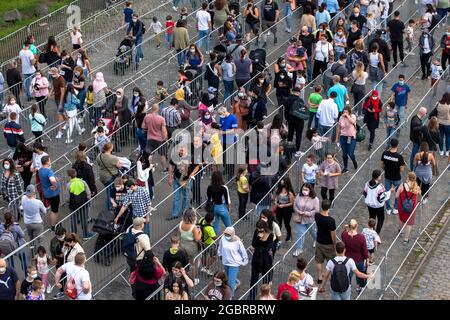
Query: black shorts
153,145
54,203
371,250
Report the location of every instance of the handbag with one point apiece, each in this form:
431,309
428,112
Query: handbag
360,133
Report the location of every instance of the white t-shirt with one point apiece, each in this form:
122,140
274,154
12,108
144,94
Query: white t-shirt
327,112
26,56
157,27
75,38
276,230
307,281
428,17
350,265
371,237
203,17
310,172
410,32
13,108
323,51
80,275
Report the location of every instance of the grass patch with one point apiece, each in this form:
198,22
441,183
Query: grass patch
27,10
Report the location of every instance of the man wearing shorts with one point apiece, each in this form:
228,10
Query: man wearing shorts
51,188
155,125
270,15
59,91
326,238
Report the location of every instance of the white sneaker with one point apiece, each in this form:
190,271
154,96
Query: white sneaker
196,281
175,8
59,135
314,245
296,253
447,153
49,289
299,154
69,141
82,131
64,126
394,211
441,153
424,201
388,212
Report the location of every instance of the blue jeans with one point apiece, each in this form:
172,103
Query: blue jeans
388,185
142,138
389,133
169,39
28,79
360,266
221,211
139,52
228,88
348,149
341,296
288,14
181,198
82,98
180,57
444,133
232,275
414,151
108,192
175,3
300,229
309,70
401,113
377,85
203,35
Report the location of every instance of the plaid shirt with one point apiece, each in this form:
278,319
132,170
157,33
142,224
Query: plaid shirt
11,187
140,201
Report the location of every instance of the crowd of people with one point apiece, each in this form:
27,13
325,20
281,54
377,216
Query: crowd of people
346,42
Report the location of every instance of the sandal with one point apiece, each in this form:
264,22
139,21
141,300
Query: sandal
321,290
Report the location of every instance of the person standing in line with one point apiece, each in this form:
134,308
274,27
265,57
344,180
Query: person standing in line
39,86
136,27
346,137
76,272
28,61
400,94
59,92
13,134
51,188
393,164
375,196
340,282
330,170
396,29
10,288
204,26
269,17
426,45
407,194
443,116
11,186
127,13
372,109
424,162
328,114
33,210
415,134
14,81
325,239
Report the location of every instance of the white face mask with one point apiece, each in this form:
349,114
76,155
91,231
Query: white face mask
60,238
401,83
2,270
305,192
218,283
6,166
207,117
118,96
240,94
192,50
136,94
375,98
221,116
134,20
228,238
12,102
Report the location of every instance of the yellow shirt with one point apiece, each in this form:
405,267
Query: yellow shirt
216,148
242,185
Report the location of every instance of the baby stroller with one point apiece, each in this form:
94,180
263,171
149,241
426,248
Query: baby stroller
124,56
258,57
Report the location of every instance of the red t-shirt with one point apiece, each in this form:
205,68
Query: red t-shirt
169,26
154,124
355,247
286,287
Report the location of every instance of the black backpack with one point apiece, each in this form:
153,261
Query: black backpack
128,247
340,282
299,110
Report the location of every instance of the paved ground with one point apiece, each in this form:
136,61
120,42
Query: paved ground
433,282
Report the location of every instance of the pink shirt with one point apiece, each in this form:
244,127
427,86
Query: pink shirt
291,52
347,128
42,82
154,124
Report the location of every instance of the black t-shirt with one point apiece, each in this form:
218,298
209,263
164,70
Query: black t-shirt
118,196
25,286
170,280
8,282
308,43
324,227
183,167
392,163
270,10
352,37
396,28
220,195
78,80
67,73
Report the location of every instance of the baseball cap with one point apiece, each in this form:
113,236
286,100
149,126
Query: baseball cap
30,190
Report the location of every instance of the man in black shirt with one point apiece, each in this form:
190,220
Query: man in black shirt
392,163
136,27
270,15
395,28
308,40
326,237
356,15
295,125
415,134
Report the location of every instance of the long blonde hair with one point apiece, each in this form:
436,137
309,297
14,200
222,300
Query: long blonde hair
412,183
359,69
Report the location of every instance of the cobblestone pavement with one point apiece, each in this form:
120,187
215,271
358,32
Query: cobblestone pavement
433,281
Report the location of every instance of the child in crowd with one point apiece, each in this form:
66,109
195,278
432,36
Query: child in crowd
410,36
436,72
90,102
36,292
300,83
305,284
372,238
161,94
184,13
314,100
43,261
170,24
157,30
391,119
100,138
310,170
127,13
317,141
265,293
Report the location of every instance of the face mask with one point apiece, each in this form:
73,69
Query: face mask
283,65
228,238
207,117
34,276
130,191
305,192
340,33
118,96
356,14
177,274
6,166
264,219
218,283
240,94
282,76
60,238
2,270
221,116
401,83
118,188
425,36
192,50
375,98
324,41
136,94
77,74
134,20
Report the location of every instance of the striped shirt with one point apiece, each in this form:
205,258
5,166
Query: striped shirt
172,117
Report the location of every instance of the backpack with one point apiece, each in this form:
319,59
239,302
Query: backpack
354,58
70,288
128,243
435,18
202,225
7,242
408,203
299,110
340,281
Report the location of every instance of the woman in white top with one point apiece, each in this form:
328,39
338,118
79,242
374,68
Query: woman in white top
376,68
358,89
322,56
71,247
11,107
75,35
233,254
267,216
82,60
